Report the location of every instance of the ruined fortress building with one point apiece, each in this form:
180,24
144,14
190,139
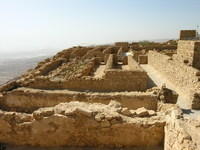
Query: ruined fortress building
126,95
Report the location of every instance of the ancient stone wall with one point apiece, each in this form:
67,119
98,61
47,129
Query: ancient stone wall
189,52
95,52
114,81
133,65
177,136
81,125
185,78
188,34
27,100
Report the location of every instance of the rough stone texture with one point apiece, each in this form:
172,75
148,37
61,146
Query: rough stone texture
91,97
188,34
107,84
189,52
27,100
182,76
177,134
95,52
80,124
167,95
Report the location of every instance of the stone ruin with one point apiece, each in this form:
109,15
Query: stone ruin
107,97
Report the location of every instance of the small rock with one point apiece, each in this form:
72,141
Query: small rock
151,112
99,117
105,123
114,104
142,112
133,113
37,115
125,111
109,117
47,112
115,121
85,112
44,112
162,97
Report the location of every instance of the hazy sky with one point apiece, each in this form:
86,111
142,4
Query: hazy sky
28,25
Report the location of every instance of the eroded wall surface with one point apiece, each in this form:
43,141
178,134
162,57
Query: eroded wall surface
189,52
81,124
28,100
183,77
179,133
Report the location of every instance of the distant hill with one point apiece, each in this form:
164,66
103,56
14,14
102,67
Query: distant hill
13,67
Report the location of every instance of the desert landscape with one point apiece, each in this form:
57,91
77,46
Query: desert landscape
137,96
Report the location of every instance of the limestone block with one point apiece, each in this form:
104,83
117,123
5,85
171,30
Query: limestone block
142,112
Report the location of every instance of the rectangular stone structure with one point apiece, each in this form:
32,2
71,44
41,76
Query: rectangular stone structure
188,34
189,52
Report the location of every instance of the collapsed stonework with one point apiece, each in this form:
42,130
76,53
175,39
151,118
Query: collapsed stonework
83,124
126,95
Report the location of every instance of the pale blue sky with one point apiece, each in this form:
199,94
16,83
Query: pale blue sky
28,25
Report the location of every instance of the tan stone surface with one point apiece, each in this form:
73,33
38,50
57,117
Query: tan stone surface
177,134
26,99
80,124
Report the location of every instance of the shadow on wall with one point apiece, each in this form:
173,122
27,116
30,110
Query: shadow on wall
150,83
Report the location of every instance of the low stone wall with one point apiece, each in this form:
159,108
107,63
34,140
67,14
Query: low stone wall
114,80
45,69
183,77
81,125
28,100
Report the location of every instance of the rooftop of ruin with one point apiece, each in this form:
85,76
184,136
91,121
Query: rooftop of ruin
111,96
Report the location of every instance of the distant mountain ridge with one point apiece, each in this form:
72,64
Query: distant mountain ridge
13,67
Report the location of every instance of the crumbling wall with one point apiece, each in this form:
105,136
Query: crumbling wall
110,50
46,68
177,136
81,125
137,82
27,100
185,78
123,45
95,52
193,129
79,52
